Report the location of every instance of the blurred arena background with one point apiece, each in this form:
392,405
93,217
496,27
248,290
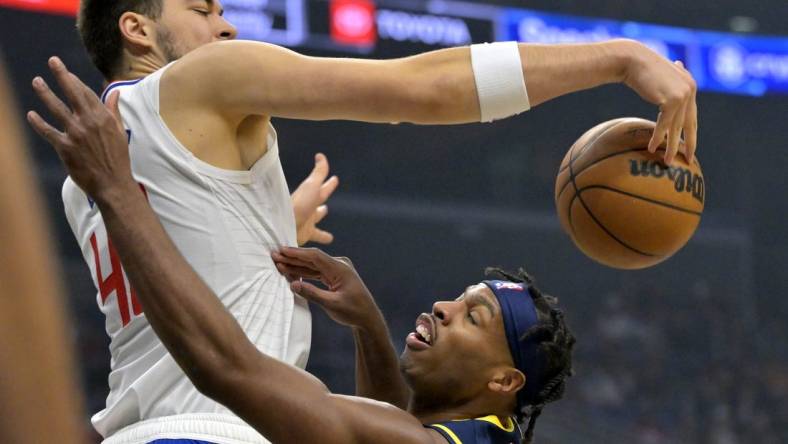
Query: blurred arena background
690,351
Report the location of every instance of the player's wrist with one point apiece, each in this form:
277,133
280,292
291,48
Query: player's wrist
626,56
372,322
117,192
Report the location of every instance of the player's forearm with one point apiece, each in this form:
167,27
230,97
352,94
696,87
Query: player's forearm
199,332
377,365
555,70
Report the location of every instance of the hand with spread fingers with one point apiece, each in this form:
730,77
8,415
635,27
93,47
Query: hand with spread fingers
672,88
348,302
346,299
309,203
92,145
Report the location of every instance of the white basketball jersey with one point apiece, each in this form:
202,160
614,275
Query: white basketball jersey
225,223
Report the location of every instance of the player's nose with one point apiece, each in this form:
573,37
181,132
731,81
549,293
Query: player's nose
445,311
226,30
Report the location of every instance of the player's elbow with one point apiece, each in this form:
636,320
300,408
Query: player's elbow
207,377
205,382
217,374
219,384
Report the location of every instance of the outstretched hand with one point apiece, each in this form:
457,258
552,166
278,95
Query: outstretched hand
92,145
346,299
671,87
309,203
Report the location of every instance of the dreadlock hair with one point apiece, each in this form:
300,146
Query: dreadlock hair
555,343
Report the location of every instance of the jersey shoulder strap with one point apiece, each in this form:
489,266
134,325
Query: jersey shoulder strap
485,430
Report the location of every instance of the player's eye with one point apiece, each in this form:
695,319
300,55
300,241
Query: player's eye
472,319
201,12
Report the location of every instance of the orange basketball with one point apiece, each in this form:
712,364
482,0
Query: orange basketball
621,205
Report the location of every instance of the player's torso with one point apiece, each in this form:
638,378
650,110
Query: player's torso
225,222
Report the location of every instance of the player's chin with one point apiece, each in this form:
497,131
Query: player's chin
410,356
416,356
412,363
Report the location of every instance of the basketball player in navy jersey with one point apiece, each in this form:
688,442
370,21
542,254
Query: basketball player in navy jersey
196,109
498,352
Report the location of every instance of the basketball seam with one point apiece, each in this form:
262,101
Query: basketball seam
571,172
609,233
588,210
571,179
568,164
647,199
628,150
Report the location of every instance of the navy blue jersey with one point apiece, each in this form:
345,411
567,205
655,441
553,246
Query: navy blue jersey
485,430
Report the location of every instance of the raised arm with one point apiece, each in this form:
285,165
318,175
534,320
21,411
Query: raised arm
282,402
348,302
243,78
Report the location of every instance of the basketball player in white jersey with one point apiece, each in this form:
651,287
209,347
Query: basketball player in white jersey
196,109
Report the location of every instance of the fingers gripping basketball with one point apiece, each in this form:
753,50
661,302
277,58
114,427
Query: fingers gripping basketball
620,204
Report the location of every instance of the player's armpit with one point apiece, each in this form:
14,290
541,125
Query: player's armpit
241,78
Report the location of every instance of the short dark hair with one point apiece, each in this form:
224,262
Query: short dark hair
98,28
555,342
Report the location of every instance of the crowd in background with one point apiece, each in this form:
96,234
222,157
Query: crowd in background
679,367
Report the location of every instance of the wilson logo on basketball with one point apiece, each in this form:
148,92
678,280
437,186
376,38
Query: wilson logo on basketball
683,179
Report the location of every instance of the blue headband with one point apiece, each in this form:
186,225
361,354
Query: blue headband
519,315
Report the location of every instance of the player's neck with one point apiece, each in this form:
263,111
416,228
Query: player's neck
428,411
139,67
445,416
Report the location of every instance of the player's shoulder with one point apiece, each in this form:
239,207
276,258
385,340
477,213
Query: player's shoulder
216,60
483,430
228,77
217,75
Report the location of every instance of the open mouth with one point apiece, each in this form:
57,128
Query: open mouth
425,334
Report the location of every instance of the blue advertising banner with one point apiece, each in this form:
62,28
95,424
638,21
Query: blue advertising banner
723,62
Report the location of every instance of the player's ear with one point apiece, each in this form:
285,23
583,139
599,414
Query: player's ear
136,30
506,380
